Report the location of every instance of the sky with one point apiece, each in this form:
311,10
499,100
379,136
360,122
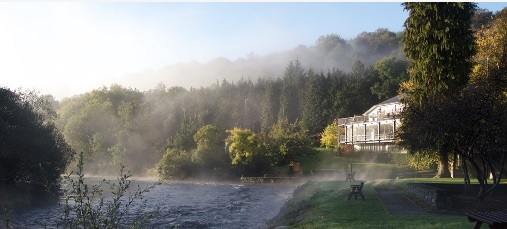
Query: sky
69,48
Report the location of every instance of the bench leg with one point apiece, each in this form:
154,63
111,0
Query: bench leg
362,195
477,225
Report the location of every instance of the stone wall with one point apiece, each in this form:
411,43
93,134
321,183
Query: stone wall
436,197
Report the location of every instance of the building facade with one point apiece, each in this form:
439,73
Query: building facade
374,130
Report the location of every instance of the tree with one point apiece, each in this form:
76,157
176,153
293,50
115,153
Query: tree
314,113
371,46
287,143
270,105
211,153
481,138
391,73
32,149
247,151
329,138
439,45
290,101
333,51
243,145
175,164
355,96
482,17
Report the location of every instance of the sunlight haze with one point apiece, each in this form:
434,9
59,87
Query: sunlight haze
65,49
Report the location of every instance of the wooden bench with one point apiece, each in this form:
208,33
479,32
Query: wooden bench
495,220
356,190
349,175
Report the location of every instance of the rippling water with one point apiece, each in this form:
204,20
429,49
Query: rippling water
190,205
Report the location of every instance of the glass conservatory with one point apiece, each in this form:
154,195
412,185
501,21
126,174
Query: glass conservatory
374,130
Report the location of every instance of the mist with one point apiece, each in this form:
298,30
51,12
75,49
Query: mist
329,52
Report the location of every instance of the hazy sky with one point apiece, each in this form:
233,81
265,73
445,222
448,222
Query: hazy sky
65,49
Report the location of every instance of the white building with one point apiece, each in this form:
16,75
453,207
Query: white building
374,130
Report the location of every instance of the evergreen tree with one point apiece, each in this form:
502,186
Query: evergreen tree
313,116
439,45
290,100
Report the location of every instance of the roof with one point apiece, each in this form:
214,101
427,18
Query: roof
395,99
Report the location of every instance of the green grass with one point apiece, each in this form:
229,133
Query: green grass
325,160
323,204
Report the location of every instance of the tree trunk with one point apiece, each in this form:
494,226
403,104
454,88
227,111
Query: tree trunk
443,167
454,164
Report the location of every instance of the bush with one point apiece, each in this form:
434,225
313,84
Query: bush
85,207
423,161
175,164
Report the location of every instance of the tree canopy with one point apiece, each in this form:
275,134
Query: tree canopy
32,150
439,45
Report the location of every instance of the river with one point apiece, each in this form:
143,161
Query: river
189,205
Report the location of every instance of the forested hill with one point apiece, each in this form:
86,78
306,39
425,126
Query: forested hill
330,51
307,86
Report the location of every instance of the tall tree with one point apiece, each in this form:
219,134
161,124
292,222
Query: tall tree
391,73
371,46
270,105
32,149
290,101
287,143
247,152
314,113
211,153
482,17
439,45
355,97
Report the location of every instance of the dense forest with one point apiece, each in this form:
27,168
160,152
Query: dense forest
113,125
229,128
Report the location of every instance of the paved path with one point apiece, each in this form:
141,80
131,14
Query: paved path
395,203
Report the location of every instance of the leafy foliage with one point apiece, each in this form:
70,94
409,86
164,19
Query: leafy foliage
85,207
116,125
32,149
329,138
439,45
287,142
315,112
211,153
244,146
391,73
175,164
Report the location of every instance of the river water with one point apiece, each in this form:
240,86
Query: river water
189,205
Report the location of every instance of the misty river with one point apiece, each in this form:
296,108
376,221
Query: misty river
189,205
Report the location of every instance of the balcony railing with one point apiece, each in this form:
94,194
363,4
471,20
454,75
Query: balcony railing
369,138
366,118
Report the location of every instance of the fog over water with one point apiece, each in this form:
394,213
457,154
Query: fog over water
190,205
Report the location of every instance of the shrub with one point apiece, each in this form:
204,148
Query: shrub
175,164
423,161
85,207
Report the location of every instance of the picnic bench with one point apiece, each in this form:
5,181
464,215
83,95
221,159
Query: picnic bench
349,175
495,220
356,189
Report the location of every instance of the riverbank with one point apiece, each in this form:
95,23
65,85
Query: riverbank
323,204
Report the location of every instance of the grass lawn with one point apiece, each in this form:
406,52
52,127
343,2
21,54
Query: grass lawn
323,204
325,160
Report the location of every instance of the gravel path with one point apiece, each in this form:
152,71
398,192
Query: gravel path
395,203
